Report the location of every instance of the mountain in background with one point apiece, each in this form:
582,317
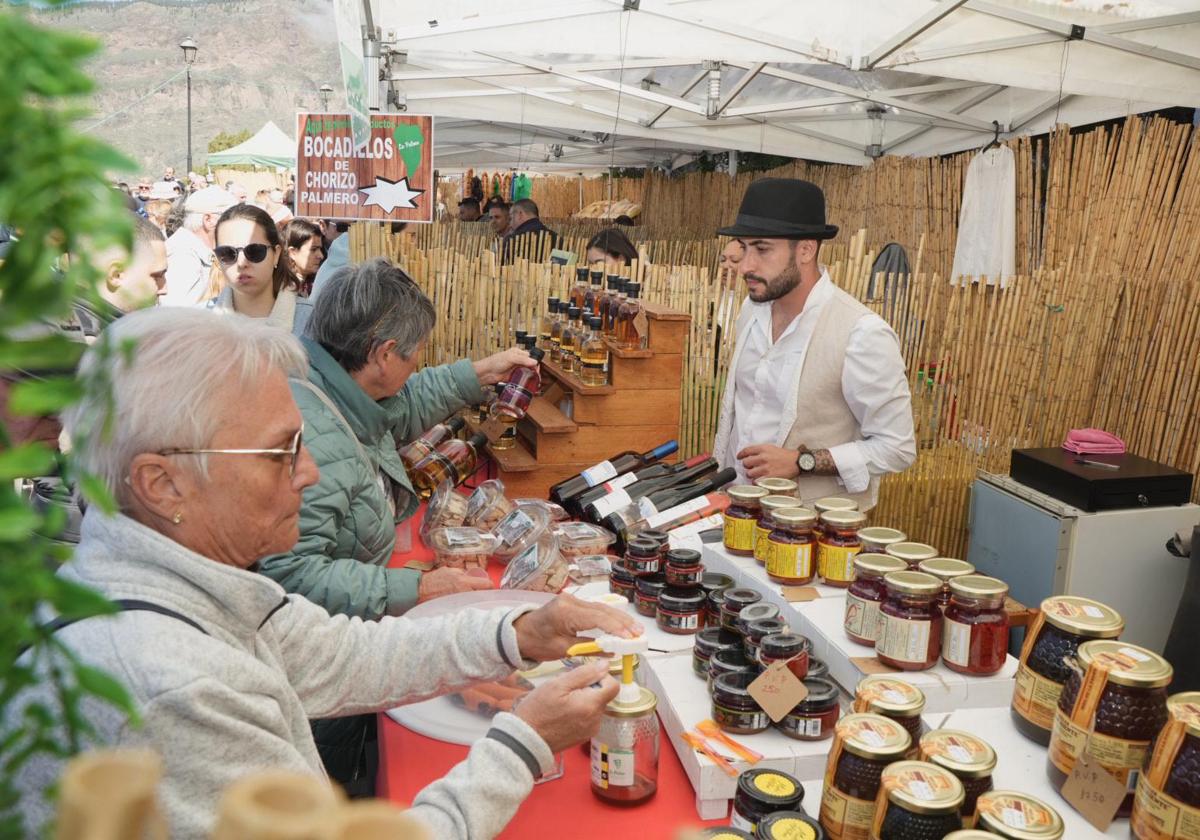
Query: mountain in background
257,61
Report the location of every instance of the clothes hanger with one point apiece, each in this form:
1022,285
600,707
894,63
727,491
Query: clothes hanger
995,141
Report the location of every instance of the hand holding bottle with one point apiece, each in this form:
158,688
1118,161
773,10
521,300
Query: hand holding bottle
567,710
547,632
496,367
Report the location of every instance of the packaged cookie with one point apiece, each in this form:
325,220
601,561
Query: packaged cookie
577,539
461,548
540,567
488,505
447,508
557,513
524,526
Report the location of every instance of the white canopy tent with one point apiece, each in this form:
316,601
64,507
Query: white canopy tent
575,84
269,147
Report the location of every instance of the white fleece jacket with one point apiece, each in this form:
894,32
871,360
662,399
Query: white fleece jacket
239,699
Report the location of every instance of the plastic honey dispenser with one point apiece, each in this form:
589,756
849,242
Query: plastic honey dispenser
625,750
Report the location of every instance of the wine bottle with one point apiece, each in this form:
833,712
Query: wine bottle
642,491
413,452
453,461
605,470
631,520
580,503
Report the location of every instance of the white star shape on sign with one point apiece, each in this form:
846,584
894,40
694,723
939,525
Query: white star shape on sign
388,195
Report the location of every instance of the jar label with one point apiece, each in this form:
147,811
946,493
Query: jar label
836,562
790,560
1118,756
773,784
762,546
844,817
862,617
736,820
956,643
682,509
513,527
614,501
599,474
1035,698
903,639
611,766
807,726
790,828
739,534
646,507
685,621
1157,816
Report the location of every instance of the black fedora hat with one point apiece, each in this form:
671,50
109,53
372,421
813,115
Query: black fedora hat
782,208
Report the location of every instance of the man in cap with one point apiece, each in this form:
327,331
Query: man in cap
190,249
817,388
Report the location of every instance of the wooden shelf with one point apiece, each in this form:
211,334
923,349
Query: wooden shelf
624,353
548,418
573,382
659,312
514,460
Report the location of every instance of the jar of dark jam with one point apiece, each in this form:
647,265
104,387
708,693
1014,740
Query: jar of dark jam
892,698
1167,803
910,623
642,556
814,717
865,596
1063,623
970,759
741,518
917,801
789,825
709,641
791,648
828,503
863,745
969,834
757,630
945,569
731,661
679,610
621,582
838,544
1017,816
791,558
733,602
710,582
763,792
645,599
752,613
975,629
817,668
912,553
1114,704
875,540
724,832
778,487
712,607
766,524
733,709
683,567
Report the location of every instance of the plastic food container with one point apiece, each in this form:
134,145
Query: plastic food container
557,513
539,568
447,508
488,505
576,539
591,568
461,548
523,527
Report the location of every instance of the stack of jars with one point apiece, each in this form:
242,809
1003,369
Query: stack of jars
663,583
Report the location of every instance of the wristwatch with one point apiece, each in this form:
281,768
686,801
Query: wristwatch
807,462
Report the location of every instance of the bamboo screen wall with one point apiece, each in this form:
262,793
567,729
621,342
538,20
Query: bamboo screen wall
1101,327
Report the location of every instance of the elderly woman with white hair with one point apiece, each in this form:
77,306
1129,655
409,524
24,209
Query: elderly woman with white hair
225,669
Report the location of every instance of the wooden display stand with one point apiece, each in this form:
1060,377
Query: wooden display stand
638,410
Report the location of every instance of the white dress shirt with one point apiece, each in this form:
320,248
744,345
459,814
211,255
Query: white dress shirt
873,383
189,267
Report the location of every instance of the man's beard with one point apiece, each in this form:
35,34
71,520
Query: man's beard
777,287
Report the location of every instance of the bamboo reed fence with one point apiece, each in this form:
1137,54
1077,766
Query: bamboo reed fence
1101,327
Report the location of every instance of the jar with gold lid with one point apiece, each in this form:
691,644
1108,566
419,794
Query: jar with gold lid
969,758
829,503
741,518
865,596
766,524
893,698
912,553
945,569
778,487
910,623
1061,625
975,626
838,545
916,801
969,834
1113,704
791,554
1167,803
1017,816
863,745
875,539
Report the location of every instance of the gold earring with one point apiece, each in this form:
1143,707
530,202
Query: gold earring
177,518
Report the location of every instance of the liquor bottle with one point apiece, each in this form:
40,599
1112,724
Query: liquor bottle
629,336
413,452
701,499
520,335
556,330
547,326
614,308
522,385
595,293
593,355
605,470
620,499
667,493
606,301
453,461
580,289
571,336
612,280
580,506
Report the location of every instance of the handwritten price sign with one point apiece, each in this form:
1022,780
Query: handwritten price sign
777,690
1094,792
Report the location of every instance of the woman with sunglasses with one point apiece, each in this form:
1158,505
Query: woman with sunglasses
254,270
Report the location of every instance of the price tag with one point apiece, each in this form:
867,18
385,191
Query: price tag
872,665
1094,792
800,594
777,690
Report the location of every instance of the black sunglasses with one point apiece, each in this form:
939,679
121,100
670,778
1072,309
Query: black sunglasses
255,252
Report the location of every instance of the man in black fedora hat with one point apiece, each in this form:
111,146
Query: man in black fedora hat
816,388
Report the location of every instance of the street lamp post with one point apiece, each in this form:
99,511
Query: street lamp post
326,91
189,58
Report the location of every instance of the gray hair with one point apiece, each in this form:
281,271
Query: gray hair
193,221
170,390
362,306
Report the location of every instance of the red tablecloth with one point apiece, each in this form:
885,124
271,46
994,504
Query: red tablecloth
564,807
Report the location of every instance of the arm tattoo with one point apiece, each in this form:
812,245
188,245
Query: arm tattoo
825,464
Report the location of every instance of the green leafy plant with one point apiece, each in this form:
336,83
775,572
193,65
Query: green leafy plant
55,192
226,140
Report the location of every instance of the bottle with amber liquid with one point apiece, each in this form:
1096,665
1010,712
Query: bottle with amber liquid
628,337
546,327
413,452
572,334
595,294
454,461
593,355
518,391
580,289
614,309
556,331
610,292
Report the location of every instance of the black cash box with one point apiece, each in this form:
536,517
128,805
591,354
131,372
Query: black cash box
1137,482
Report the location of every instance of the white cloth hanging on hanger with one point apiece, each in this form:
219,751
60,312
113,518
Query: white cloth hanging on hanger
987,222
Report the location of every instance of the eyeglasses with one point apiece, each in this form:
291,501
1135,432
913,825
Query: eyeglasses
255,252
293,451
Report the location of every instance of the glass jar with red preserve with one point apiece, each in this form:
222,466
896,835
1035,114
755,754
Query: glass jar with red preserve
838,544
945,569
752,613
741,518
1114,704
709,641
791,558
866,594
969,758
683,567
756,631
642,556
814,717
1168,793
863,745
645,597
766,524
912,553
875,539
622,582
975,629
910,625
679,610
791,648
828,503
734,601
